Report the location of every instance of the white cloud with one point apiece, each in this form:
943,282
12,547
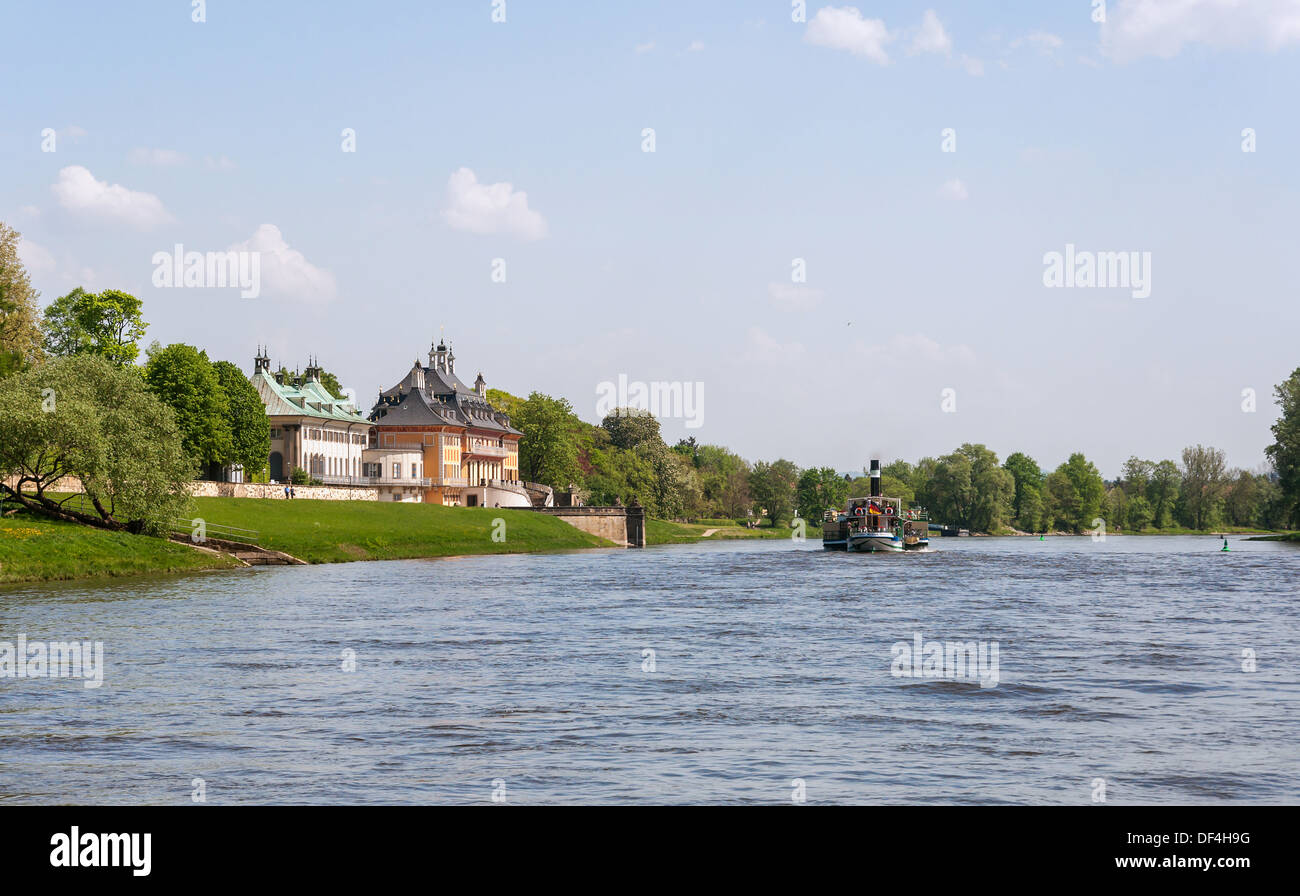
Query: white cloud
920,348
844,28
645,47
38,260
695,46
793,296
954,190
286,272
142,155
1044,42
763,349
973,66
31,211
79,192
73,130
931,37
218,163
1136,28
490,208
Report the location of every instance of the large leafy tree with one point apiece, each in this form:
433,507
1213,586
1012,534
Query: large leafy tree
1162,492
86,418
1203,484
250,428
724,481
548,449
182,378
1285,450
773,488
20,334
1027,506
1077,492
106,323
631,428
818,490
970,489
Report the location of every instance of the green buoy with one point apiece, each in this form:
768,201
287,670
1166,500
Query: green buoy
1225,544
1042,538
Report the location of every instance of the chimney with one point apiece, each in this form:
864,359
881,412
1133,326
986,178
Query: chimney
875,478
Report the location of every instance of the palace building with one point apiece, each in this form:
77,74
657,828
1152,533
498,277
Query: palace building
310,428
469,450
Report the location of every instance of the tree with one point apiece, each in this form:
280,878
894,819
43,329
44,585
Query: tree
84,417
20,334
969,489
1139,513
504,401
183,379
1162,492
1074,495
331,384
1203,479
1027,506
107,324
548,449
1241,498
1088,488
818,490
250,428
1284,453
772,487
631,428
1060,502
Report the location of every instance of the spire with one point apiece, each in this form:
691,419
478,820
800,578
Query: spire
438,355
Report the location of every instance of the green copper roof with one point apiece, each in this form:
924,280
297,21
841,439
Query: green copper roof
311,399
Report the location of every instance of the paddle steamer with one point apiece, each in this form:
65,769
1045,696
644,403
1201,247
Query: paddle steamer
876,524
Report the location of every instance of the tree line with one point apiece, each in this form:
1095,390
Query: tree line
74,401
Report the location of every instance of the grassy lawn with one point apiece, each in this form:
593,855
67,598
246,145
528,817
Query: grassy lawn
338,531
37,550
664,532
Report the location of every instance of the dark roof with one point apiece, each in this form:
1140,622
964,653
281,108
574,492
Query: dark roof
443,401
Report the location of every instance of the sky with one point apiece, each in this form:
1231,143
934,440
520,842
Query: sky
839,244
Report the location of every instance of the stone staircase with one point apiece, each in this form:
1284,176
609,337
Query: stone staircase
248,554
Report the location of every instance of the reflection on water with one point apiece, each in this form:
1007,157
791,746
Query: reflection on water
1120,660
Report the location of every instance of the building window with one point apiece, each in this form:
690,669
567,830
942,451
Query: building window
397,471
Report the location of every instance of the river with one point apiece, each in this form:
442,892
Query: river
1123,670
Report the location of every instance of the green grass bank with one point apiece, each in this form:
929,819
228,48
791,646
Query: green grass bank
339,531
39,550
665,532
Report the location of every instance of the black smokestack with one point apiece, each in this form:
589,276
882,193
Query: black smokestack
875,479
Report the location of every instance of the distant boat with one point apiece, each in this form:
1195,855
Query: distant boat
876,524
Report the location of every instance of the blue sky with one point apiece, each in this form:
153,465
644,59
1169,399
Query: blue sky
775,140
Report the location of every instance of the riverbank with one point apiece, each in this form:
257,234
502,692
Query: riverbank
341,531
39,550
659,532
33,549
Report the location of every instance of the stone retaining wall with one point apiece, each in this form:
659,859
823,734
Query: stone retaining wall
261,490
622,525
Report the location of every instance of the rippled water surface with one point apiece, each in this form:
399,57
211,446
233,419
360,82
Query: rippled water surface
1119,660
